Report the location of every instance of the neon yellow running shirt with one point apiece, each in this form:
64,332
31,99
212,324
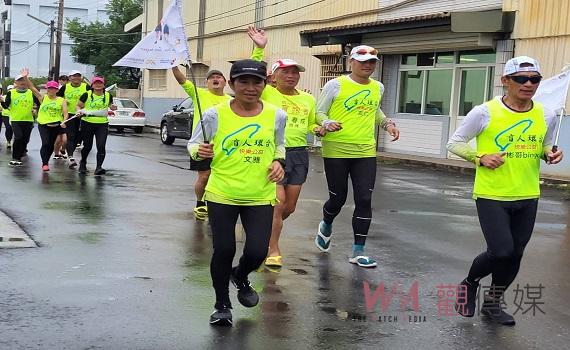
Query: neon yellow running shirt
300,111
521,136
51,111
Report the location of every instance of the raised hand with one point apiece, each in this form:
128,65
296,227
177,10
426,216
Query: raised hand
258,36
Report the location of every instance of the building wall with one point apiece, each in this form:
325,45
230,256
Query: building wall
407,8
25,52
226,39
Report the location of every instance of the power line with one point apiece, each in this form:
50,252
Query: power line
30,45
250,23
216,16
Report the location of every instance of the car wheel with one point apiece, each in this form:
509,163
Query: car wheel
138,129
164,137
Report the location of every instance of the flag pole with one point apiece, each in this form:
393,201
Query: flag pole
197,104
193,78
555,146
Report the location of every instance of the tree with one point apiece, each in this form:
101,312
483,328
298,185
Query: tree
102,44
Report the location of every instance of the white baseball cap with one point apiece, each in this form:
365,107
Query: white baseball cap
284,63
18,77
514,65
75,71
363,53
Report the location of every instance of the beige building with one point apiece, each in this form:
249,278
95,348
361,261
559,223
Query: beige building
217,36
439,57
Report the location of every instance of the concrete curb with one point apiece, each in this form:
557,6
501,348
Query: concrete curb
12,235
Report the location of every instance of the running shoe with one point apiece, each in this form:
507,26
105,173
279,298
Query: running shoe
466,298
201,213
63,155
99,171
16,162
57,156
323,238
495,312
72,163
45,168
8,144
221,316
247,296
363,261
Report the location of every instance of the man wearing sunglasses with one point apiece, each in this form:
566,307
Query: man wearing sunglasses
513,134
349,109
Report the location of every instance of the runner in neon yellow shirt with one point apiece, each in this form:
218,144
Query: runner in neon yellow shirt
209,97
93,106
51,116
246,144
300,108
349,108
21,102
513,133
6,118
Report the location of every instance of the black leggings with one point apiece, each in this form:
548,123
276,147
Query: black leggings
48,135
100,132
22,132
362,172
507,227
9,133
73,135
257,222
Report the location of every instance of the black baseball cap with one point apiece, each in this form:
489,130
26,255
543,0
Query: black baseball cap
248,67
212,72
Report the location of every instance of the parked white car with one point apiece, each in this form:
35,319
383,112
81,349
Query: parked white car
127,115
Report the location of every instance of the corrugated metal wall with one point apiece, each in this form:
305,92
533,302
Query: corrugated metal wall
425,7
283,21
542,31
537,19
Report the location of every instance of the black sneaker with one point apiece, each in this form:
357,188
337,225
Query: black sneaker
495,312
468,297
100,171
82,168
72,163
247,296
222,316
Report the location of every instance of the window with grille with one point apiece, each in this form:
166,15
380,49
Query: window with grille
331,67
200,71
157,79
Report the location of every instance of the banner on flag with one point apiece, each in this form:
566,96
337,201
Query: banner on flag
164,47
553,92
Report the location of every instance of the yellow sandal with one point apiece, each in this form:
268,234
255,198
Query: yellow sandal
274,261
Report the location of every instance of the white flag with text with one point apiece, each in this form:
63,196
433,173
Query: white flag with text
553,92
164,47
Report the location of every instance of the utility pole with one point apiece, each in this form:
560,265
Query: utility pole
51,42
59,34
51,26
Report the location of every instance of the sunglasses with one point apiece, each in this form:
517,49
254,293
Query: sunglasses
521,79
365,51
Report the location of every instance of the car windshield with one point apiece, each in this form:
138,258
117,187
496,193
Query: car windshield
186,104
126,104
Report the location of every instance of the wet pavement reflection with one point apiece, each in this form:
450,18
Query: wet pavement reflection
122,264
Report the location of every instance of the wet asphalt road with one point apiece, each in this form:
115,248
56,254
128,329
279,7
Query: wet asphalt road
123,265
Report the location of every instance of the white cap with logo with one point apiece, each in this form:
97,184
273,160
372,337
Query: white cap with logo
514,65
284,63
74,72
364,53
